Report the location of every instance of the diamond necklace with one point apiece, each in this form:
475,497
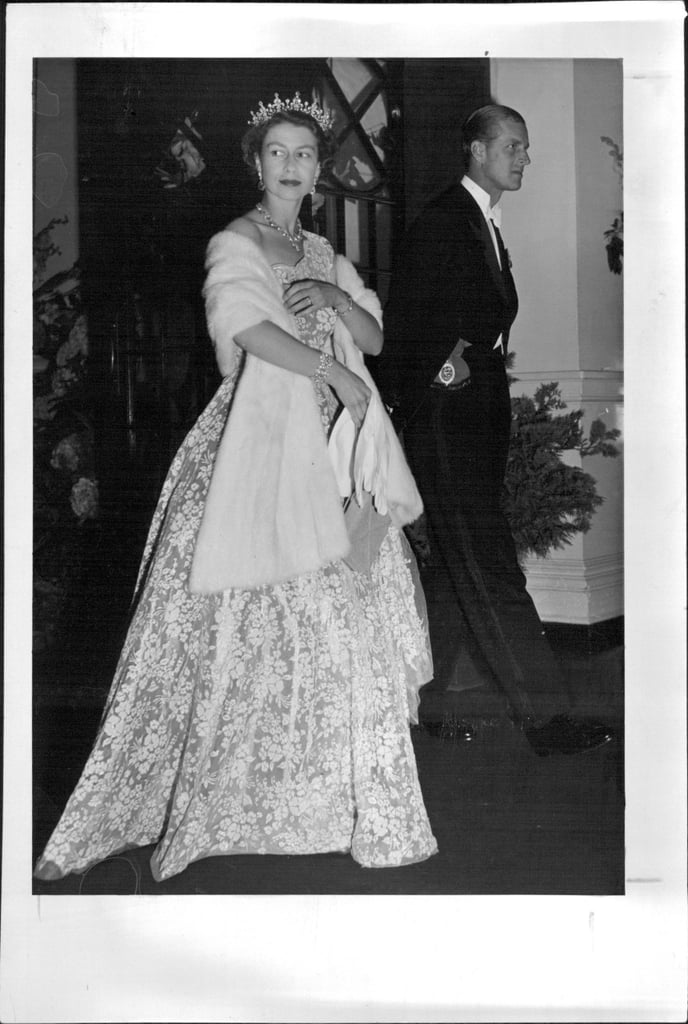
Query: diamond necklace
295,239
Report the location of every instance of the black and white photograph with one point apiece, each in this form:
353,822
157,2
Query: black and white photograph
345,543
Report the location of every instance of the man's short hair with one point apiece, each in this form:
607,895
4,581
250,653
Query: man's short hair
484,124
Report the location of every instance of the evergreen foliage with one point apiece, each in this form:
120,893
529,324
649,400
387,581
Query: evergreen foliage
546,500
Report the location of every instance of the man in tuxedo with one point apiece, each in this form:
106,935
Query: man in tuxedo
451,306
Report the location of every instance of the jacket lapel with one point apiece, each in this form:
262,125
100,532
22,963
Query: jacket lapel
481,230
481,233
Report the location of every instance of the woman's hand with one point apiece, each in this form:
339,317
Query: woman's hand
302,296
351,391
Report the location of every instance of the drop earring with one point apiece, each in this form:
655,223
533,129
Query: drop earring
261,183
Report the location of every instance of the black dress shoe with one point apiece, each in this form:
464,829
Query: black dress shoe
566,735
451,729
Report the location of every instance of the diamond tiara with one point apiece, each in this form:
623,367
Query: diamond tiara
320,116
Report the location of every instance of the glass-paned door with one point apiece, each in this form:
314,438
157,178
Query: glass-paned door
358,209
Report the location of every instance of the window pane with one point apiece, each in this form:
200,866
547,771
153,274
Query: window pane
352,166
354,79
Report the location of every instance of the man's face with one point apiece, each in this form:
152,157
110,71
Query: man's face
503,159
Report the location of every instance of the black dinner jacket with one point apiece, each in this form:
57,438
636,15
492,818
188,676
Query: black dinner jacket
446,285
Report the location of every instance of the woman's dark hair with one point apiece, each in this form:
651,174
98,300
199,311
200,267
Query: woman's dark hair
252,142
485,124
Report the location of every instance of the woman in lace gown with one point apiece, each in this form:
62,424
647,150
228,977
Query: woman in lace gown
262,700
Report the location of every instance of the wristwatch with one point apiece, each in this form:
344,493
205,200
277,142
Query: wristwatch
447,374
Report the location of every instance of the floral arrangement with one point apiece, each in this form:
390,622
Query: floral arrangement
546,500
65,486
614,234
182,161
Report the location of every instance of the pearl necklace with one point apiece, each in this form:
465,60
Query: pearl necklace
295,239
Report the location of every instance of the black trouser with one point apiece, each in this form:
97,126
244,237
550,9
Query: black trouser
457,446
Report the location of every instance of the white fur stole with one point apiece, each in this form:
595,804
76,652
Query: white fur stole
273,510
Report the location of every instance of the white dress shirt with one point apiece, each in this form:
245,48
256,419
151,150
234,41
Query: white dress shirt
492,215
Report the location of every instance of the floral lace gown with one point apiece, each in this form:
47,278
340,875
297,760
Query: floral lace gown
272,720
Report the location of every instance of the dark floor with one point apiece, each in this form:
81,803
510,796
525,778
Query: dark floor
506,821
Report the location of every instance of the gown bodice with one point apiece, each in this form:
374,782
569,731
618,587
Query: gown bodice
315,327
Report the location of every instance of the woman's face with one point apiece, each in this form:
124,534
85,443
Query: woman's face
289,161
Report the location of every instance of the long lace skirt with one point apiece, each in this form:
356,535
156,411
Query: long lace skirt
273,720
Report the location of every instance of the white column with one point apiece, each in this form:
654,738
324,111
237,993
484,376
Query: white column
570,323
